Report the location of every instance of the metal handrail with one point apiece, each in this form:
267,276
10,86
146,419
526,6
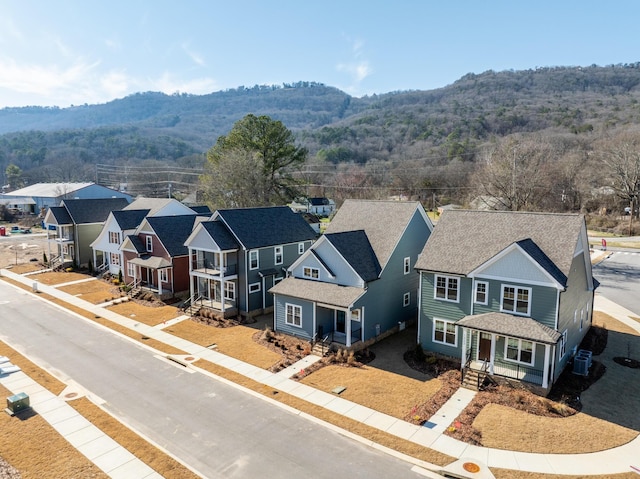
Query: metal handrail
466,365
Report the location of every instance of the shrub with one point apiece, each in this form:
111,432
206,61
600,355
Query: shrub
351,359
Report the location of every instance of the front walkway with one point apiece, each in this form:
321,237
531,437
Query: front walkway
612,461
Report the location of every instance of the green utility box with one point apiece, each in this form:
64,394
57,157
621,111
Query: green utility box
18,402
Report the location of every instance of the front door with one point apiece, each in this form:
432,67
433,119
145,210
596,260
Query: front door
340,322
484,347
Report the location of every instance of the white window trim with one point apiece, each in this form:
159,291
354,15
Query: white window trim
294,308
310,269
229,290
277,279
407,265
278,250
163,275
149,243
254,288
446,322
563,343
114,235
251,253
515,300
447,279
114,259
355,315
131,269
486,292
518,361
300,248
406,299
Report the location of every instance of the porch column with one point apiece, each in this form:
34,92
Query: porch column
159,282
348,319
191,264
545,373
463,358
492,356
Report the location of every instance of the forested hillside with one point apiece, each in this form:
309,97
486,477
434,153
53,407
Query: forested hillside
415,142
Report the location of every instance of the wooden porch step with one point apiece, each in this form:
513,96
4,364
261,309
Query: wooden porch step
318,349
193,310
470,380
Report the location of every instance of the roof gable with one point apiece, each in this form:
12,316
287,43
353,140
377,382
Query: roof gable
129,219
384,223
160,206
93,210
58,215
463,240
267,226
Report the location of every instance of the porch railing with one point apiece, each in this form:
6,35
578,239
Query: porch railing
467,364
519,372
211,268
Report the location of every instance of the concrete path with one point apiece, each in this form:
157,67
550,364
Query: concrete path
616,460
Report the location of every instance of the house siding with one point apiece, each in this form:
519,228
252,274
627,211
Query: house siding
306,329
87,234
344,274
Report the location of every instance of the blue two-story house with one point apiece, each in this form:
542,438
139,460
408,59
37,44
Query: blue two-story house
357,281
239,254
509,293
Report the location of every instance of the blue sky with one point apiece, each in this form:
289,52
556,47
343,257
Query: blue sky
68,52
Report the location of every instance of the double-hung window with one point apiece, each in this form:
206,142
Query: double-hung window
294,315
447,288
164,276
300,248
481,292
277,255
406,299
407,265
563,344
230,290
516,300
114,259
149,243
444,332
519,351
114,237
253,259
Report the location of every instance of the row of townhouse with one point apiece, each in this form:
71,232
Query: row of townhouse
509,293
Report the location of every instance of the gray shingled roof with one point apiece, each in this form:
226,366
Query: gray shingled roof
61,215
129,219
267,226
384,222
173,231
354,246
221,235
512,326
327,293
137,243
463,240
93,210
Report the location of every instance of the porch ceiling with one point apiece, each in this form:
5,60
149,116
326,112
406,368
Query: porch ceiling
317,291
153,262
512,326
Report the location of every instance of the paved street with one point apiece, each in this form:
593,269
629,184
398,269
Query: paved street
217,429
619,277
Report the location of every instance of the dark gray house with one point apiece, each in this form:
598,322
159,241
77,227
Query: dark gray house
509,293
239,254
357,281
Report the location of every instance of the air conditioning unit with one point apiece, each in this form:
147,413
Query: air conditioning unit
17,402
583,353
581,366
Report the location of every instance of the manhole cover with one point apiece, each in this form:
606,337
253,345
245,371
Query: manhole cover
471,467
70,395
189,358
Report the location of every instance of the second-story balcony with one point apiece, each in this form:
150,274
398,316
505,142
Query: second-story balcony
211,269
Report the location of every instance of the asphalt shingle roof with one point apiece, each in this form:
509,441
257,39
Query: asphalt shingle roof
129,219
93,210
267,226
463,240
354,246
384,222
173,231
221,235
512,326
61,215
317,291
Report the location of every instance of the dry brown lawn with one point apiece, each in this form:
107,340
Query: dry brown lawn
37,450
94,291
234,341
149,315
23,268
520,431
56,277
382,391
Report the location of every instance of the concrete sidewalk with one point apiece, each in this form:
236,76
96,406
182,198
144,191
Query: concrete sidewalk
616,460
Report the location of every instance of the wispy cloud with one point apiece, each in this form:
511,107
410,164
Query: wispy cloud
194,56
358,68
167,83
